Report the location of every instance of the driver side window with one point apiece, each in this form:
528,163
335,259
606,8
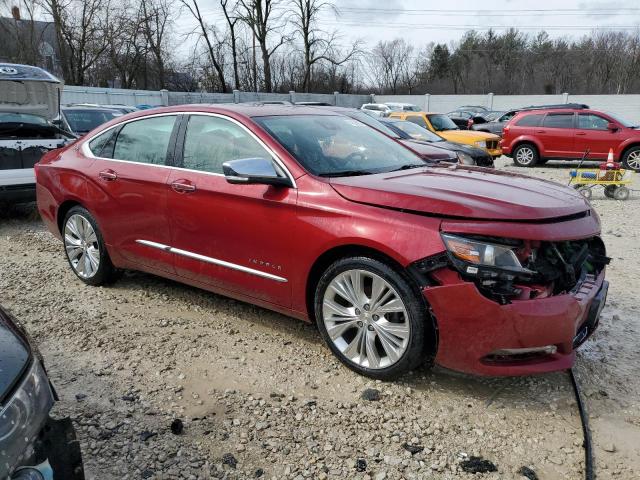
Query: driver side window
211,141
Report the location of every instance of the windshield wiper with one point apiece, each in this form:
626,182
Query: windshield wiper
408,166
346,173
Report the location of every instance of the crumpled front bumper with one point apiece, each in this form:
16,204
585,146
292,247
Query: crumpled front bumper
471,327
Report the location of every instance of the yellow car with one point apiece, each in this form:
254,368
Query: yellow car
444,126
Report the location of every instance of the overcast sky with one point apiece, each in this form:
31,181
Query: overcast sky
421,21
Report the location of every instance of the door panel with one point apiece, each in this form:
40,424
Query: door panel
557,135
132,201
593,133
235,237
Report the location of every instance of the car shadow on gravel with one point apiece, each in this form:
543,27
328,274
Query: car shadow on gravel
21,212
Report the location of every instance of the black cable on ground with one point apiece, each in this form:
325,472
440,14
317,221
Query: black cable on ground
588,453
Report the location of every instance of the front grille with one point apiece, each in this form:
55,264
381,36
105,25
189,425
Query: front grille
492,144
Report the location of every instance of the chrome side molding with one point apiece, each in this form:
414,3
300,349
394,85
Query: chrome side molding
214,261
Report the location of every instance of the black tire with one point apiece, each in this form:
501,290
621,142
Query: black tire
609,191
421,341
526,155
621,193
105,271
631,159
542,161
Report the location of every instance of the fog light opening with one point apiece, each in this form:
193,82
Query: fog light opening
511,355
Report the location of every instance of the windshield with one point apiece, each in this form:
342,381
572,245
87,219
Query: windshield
622,121
84,121
333,146
442,122
372,122
23,118
418,133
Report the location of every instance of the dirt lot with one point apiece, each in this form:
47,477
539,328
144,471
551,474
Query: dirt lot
259,395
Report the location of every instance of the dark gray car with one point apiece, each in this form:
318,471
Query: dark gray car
32,444
495,126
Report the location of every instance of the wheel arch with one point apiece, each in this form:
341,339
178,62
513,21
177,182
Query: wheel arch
626,148
358,250
522,140
63,209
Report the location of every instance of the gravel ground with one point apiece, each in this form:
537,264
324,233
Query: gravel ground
168,381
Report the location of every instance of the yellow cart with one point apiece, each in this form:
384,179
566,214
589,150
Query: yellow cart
613,181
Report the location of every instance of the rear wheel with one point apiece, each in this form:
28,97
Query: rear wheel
621,193
371,317
85,248
526,155
631,158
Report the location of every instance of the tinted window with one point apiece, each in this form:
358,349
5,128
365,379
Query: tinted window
337,145
410,108
417,120
592,122
418,133
507,116
530,120
145,141
102,146
211,141
558,120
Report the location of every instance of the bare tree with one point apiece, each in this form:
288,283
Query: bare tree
156,19
258,16
81,28
206,34
317,45
232,22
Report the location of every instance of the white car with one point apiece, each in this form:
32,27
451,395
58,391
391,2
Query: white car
29,101
403,107
376,109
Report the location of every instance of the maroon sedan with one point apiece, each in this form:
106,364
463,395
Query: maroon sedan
323,218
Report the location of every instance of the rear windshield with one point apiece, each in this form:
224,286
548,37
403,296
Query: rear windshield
416,132
84,121
22,118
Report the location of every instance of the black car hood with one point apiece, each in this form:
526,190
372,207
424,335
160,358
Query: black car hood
14,355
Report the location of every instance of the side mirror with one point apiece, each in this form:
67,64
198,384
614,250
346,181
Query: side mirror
248,171
612,126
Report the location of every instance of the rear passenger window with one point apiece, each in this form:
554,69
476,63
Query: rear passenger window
417,120
145,141
530,121
558,120
211,141
102,145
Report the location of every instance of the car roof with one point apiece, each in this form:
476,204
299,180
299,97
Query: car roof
87,107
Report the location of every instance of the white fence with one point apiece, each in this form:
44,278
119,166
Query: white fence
625,106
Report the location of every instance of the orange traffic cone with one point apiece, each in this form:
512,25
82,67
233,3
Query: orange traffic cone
610,158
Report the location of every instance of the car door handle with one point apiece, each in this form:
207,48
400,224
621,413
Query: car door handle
580,133
108,175
181,186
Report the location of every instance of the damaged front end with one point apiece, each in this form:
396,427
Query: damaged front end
506,269
518,306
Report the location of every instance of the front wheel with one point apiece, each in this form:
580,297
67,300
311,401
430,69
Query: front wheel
631,159
372,318
526,155
85,248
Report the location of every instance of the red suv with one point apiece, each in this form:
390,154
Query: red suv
536,135
316,215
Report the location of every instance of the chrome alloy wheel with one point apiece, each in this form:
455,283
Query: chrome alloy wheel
525,155
81,244
633,160
366,319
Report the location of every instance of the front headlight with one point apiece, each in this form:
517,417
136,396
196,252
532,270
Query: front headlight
481,253
22,418
481,144
465,159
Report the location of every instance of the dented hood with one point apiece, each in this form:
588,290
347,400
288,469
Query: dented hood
27,89
460,192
